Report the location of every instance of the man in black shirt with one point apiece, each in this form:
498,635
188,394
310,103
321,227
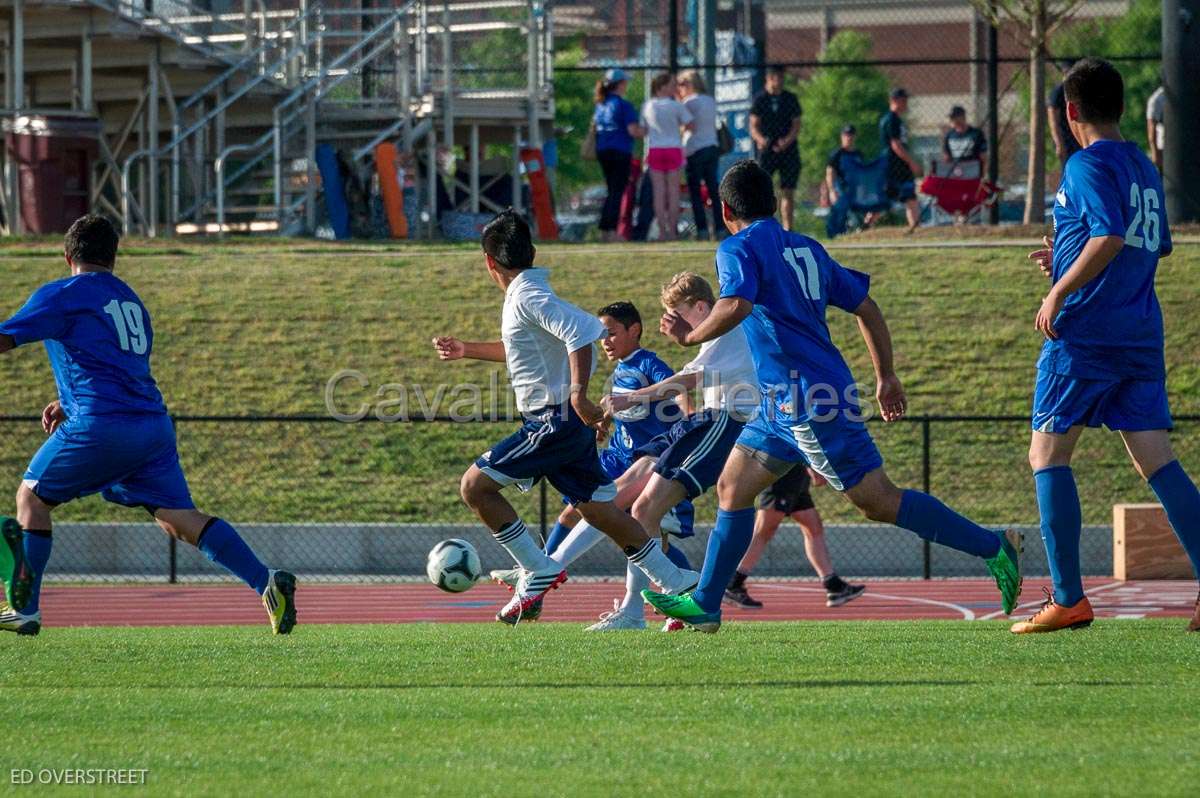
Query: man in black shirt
963,142
834,171
903,168
1065,144
774,125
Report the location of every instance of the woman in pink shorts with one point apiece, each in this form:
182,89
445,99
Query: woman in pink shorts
665,119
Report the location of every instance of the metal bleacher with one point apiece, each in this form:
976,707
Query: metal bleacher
210,115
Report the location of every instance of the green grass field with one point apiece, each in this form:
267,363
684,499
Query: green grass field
873,708
259,327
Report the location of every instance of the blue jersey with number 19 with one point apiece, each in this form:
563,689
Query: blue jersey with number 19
791,280
98,336
1111,328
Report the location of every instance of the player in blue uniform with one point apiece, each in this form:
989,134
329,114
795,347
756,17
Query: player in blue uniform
572,537
1102,361
109,431
777,285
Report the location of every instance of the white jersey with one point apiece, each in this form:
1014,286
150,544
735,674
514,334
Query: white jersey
728,376
539,330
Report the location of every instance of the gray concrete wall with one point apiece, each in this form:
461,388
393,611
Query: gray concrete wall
365,551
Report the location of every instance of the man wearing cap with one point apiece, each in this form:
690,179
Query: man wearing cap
835,172
963,142
774,126
903,168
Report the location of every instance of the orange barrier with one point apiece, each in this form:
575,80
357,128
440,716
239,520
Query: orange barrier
539,189
389,189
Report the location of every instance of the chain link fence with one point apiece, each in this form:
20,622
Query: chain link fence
366,501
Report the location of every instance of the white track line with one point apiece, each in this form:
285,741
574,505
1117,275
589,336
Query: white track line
1028,605
967,614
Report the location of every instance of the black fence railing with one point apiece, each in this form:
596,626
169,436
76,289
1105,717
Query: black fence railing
365,501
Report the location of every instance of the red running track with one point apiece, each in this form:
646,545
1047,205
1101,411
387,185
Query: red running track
194,605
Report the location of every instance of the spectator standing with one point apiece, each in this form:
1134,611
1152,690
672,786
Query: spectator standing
616,122
664,119
963,142
774,126
903,168
1065,144
835,171
702,150
1155,129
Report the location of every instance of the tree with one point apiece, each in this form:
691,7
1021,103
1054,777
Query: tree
836,96
1036,21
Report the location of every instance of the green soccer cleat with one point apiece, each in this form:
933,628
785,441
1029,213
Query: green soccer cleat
280,600
18,578
1005,568
684,608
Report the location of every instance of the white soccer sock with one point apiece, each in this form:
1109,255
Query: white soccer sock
517,541
653,561
633,605
578,541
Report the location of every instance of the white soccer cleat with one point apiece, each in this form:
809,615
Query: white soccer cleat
617,621
530,589
22,624
509,577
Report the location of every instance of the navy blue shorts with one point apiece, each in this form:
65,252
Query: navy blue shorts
1061,402
900,190
679,521
693,451
554,444
130,460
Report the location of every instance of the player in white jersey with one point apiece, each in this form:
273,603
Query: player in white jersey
547,344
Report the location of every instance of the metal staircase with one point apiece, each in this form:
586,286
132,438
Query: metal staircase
222,133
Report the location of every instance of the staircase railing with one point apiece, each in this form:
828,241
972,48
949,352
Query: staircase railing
289,46
302,100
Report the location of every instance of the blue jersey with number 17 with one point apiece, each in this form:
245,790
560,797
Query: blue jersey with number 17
98,336
791,280
1112,327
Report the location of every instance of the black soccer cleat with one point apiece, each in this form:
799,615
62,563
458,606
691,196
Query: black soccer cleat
844,595
739,597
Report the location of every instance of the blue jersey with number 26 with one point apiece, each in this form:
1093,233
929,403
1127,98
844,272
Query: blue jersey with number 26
791,280
98,336
1112,327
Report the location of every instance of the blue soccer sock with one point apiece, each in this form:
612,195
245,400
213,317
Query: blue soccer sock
37,543
223,545
728,542
1181,500
937,523
1062,524
556,537
676,555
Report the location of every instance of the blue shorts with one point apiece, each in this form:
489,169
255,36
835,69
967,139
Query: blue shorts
693,451
839,449
556,445
1061,402
130,460
681,518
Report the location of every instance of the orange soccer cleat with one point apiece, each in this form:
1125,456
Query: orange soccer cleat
1052,617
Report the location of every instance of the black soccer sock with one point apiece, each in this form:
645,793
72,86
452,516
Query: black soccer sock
738,581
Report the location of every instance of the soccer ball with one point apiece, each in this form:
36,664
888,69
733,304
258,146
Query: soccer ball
453,565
